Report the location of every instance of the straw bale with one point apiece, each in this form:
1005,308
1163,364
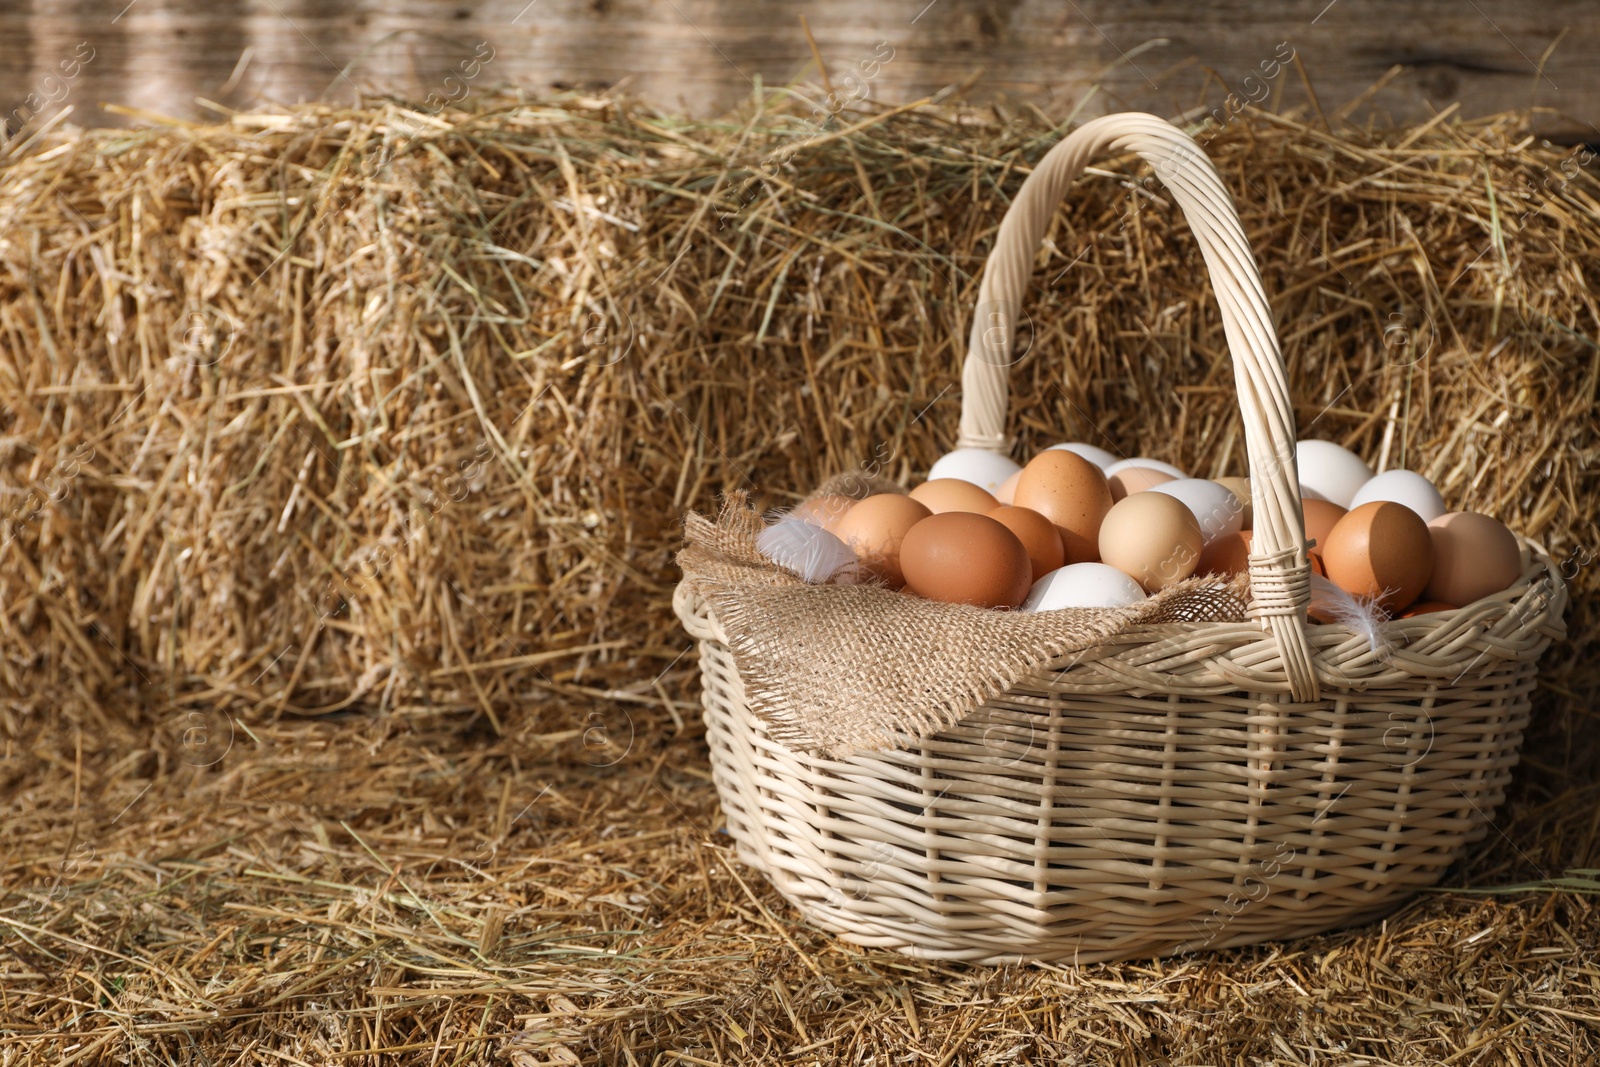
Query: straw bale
348,409
343,457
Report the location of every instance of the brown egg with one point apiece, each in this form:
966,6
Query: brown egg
874,529
1240,488
1314,559
1007,493
1135,480
954,494
964,558
1383,550
1226,555
1426,607
1152,537
1319,517
1038,535
1072,493
824,511
1474,556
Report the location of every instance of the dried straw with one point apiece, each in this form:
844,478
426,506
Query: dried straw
495,840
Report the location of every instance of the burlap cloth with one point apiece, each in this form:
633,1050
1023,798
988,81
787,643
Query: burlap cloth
843,668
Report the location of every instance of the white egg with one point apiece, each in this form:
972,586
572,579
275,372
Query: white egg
1331,470
1147,463
1403,487
1098,456
810,551
982,468
1215,507
1083,585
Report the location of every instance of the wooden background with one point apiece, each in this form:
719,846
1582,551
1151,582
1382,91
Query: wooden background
703,55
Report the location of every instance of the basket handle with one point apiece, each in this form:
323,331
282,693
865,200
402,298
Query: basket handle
1279,572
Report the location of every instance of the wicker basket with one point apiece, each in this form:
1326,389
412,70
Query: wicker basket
1189,786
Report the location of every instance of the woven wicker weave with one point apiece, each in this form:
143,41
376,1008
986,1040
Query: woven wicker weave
1192,785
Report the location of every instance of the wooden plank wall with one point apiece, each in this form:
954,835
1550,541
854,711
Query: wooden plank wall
703,55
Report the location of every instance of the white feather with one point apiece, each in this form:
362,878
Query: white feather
1360,615
809,551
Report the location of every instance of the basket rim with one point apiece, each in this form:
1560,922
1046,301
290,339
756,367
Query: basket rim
1165,656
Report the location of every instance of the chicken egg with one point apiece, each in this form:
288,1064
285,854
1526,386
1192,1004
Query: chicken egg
1380,550
1007,493
1136,480
1402,487
1226,555
1083,585
1152,537
1334,472
1216,509
1474,556
874,529
953,494
1240,488
1072,493
1038,535
959,557
1319,517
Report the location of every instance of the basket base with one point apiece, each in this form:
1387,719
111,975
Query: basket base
978,849
1097,946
